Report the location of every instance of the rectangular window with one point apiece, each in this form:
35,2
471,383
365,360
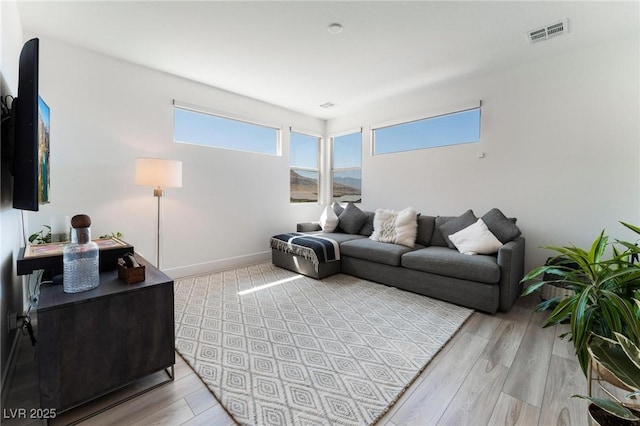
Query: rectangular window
346,170
444,130
207,129
303,159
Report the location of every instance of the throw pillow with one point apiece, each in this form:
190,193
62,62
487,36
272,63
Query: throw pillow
328,220
367,228
390,226
502,227
351,219
454,225
337,208
476,239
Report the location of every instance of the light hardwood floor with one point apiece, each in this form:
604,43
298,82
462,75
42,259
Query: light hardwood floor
502,369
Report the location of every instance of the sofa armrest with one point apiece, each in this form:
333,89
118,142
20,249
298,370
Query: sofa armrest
308,227
511,263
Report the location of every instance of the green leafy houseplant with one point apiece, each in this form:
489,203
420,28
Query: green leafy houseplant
618,362
43,236
603,289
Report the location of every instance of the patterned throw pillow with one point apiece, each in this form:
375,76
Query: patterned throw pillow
390,226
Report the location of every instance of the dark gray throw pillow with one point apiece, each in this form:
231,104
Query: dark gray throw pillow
367,228
337,209
351,219
453,225
502,227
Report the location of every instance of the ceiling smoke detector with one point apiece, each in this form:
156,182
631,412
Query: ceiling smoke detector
550,31
334,28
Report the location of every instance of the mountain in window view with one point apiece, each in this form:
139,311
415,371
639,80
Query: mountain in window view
305,189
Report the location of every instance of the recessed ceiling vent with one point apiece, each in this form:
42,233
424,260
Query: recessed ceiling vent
545,33
328,105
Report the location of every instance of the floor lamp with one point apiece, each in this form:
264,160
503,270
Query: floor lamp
159,173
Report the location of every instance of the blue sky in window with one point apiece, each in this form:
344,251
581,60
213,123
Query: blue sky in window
451,129
210,130
303,150
347,151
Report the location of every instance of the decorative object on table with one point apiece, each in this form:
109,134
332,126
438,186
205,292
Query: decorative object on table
49,256
43,236
604,291
60,229
80,258
159,173
129,270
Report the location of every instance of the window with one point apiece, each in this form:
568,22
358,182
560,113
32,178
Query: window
346,172
304,168
203,128
449,129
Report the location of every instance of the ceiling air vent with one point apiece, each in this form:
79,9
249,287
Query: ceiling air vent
328,105
545,33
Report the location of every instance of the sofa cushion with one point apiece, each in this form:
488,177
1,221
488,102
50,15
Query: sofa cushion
426,225
337,209
476,239
339,237
374,251
451,263
367,228
351,219
390,226
447,225
328,219
503,228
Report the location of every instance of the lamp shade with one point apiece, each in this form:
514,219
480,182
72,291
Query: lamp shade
159,172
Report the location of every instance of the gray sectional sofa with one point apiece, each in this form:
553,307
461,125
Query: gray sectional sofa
431,267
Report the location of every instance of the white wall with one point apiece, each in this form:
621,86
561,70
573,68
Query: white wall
562,144
560,135
105,113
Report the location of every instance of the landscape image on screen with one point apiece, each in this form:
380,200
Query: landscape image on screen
44,174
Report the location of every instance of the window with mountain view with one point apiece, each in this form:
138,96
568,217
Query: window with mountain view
203,128
346,171
303,159
448,129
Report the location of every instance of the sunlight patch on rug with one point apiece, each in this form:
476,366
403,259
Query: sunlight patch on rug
276,348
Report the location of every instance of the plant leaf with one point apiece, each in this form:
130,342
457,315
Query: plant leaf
611,407
632,351
615,360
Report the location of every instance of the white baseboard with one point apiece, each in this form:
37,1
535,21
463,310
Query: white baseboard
218,265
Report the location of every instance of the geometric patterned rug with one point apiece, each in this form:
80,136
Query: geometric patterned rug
278,348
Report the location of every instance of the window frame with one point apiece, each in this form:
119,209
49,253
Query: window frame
317,169
424,117
333,169
231,117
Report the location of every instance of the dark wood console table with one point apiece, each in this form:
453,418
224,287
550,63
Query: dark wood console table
94,342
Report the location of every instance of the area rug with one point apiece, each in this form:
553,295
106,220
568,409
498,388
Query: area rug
278,348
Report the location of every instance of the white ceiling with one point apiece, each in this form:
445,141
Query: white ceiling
282,53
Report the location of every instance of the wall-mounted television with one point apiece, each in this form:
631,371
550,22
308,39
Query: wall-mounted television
30,162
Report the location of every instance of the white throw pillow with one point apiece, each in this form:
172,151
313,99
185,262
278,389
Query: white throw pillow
475,239
328,219
390,226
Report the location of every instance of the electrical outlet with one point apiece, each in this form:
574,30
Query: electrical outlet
12,321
